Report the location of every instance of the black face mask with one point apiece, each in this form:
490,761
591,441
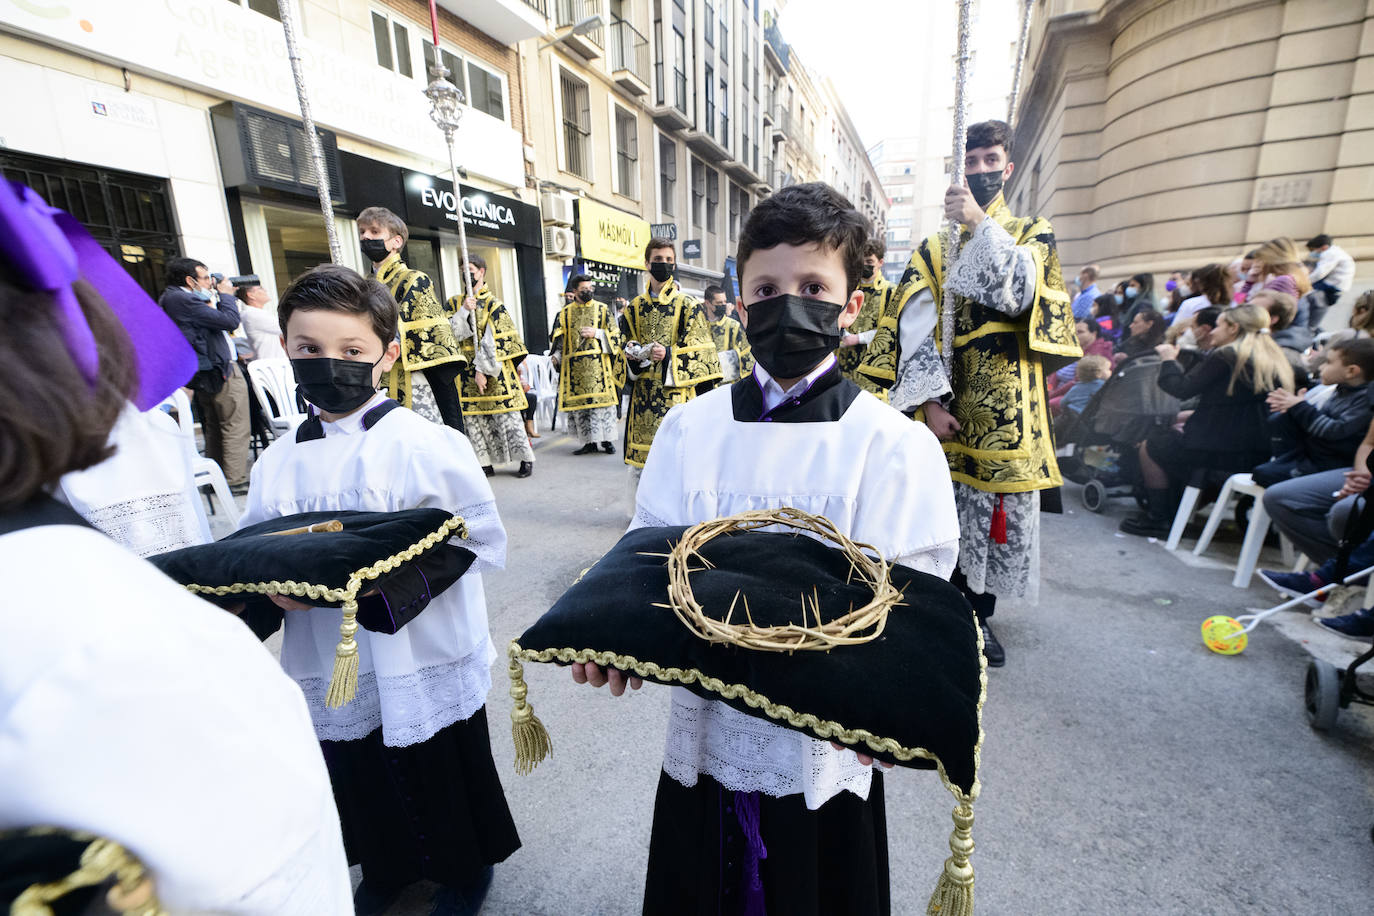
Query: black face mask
868,271
374,250
584,296
335,385
985,186
790,335
661,271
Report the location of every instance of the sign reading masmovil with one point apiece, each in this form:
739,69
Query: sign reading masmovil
610,236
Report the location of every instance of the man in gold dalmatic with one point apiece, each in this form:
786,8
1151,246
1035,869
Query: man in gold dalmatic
671,353
878,293
732,346
1012,325
491,392
425,378
590,357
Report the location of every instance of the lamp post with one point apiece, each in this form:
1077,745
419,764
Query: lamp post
312,139
957,167
446,110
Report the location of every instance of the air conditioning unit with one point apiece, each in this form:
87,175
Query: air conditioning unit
559,242
556,208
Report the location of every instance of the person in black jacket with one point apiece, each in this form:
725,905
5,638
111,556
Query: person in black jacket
1308,437
207,316
1228,431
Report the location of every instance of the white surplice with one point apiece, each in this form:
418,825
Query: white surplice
880,478
135,711
437,669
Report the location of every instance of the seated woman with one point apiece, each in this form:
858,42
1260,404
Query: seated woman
1361,325
1146,332
1211,286
1106,311
1093,343
1277,266
1228,430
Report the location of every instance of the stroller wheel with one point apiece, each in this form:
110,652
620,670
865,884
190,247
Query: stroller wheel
1322,694
1094,495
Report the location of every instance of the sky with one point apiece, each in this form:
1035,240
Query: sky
858,44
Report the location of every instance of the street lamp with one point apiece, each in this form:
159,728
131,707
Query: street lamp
590,24
446,101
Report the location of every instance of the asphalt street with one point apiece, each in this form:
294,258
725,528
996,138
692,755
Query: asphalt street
1126,769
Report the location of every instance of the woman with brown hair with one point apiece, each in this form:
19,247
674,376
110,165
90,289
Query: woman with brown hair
1277,265
130,709
1211,285
1228,431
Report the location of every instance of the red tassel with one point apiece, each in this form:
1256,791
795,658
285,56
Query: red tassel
999,523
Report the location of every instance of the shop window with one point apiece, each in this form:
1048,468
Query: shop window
626,152
577,125
698,190
667,175
266,7
451,61
392,42
712,199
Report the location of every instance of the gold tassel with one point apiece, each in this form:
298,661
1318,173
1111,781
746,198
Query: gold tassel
532,742
954,891
343,683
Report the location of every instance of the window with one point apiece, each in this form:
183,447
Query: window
667,175
488,95
724,114
712,199
577,125
709,24
710,100
266,7
626,153
724,41
736,207
392,41
698,190
451,61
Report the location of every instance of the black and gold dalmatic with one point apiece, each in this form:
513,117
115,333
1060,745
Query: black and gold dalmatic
878,294
503,393
732,347
427,338
1004,443
677,322
591,373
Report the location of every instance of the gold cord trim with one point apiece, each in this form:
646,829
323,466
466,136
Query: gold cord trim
132,892
343,682
851,628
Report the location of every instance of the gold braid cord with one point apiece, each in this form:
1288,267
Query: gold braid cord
852,628
343,682
132,893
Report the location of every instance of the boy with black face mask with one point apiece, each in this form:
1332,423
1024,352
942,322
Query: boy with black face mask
426,376
1013,324
672,356
589,354
409,757
793,432
877,295
731,345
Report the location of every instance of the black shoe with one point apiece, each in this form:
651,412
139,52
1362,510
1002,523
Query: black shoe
608,448
526,469
488,470
464,899
239,489
373,900
992,649
588,449
1143,525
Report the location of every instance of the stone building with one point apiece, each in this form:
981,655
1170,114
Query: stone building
1166,134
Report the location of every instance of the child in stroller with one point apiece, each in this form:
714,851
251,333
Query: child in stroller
1097,448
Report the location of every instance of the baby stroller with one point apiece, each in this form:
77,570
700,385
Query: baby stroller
1098,447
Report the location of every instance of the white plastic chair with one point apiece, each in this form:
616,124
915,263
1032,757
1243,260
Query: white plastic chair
1256,529
544,390
206,472
275,384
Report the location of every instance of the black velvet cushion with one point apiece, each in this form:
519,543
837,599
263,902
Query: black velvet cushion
327,559
42,856
919,683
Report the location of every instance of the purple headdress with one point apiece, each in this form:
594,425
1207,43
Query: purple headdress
49,251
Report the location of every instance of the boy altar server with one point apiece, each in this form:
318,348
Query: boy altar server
793,432
409,757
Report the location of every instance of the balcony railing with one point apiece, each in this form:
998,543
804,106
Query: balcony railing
571,12
539,6
629,50
773,36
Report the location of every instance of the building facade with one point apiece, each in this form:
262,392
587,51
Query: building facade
1166,134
